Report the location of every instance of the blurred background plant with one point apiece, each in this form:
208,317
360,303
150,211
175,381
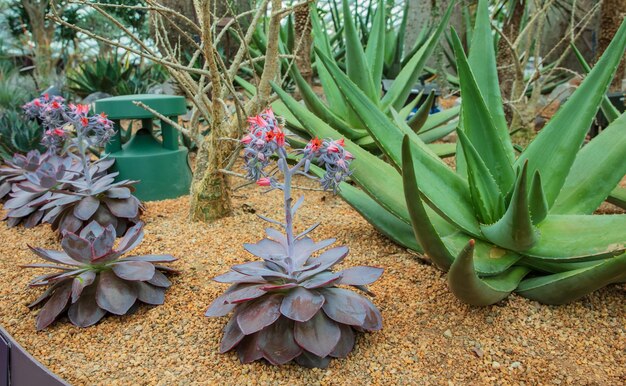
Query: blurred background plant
114,74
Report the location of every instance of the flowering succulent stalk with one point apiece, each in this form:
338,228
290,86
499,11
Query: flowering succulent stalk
92,279
288,306
86,191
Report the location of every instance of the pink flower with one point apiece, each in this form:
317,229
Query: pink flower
280,137
265,181
37,102
246,140
348,155
82,109
261,156
342,164
340,142
257,120
58,131
332,148
270,113
315,144
84,121
46,96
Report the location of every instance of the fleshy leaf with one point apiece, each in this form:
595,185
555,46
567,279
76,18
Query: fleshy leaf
259,314
319,335
301,304
114,294
469,288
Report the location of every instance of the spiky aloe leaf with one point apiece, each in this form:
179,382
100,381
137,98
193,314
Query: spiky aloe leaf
477,123
418,120
537,200
331,91
610,111
489,259
314,103
447,191
580,237
515,229
356,63
401,88
598,168
486,195
554,149
565,287
482,56
422,226
471,289
376,44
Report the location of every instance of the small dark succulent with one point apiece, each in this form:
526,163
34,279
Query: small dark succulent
289,306
18,135
92,279
33,189
12,171
101,199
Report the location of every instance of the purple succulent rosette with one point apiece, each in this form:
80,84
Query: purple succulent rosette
289,305
64,187
13,171
92,279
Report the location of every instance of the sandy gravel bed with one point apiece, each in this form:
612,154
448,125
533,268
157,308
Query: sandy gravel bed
428,336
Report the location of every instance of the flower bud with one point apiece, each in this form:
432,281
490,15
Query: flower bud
265,181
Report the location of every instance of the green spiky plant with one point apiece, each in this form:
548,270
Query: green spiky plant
364,67
522,224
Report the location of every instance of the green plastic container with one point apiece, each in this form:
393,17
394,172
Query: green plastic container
160,166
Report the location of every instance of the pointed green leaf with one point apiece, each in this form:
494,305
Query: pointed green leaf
314,104
486,196
384,221
469,288
580,237
555,266
445,189
489,259
479,126
397,94
565,287
554,149
320,39
356,64
515,229
537,200
610,111
376,44
418,120
422,226
406,110
599,167
436,120
482,58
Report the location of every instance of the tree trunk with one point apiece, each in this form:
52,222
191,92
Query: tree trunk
611,16
43,33
303,41
507,59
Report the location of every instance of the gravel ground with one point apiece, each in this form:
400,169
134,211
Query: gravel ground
428,337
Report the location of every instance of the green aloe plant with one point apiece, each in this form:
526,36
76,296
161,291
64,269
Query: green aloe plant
364,67
500,222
